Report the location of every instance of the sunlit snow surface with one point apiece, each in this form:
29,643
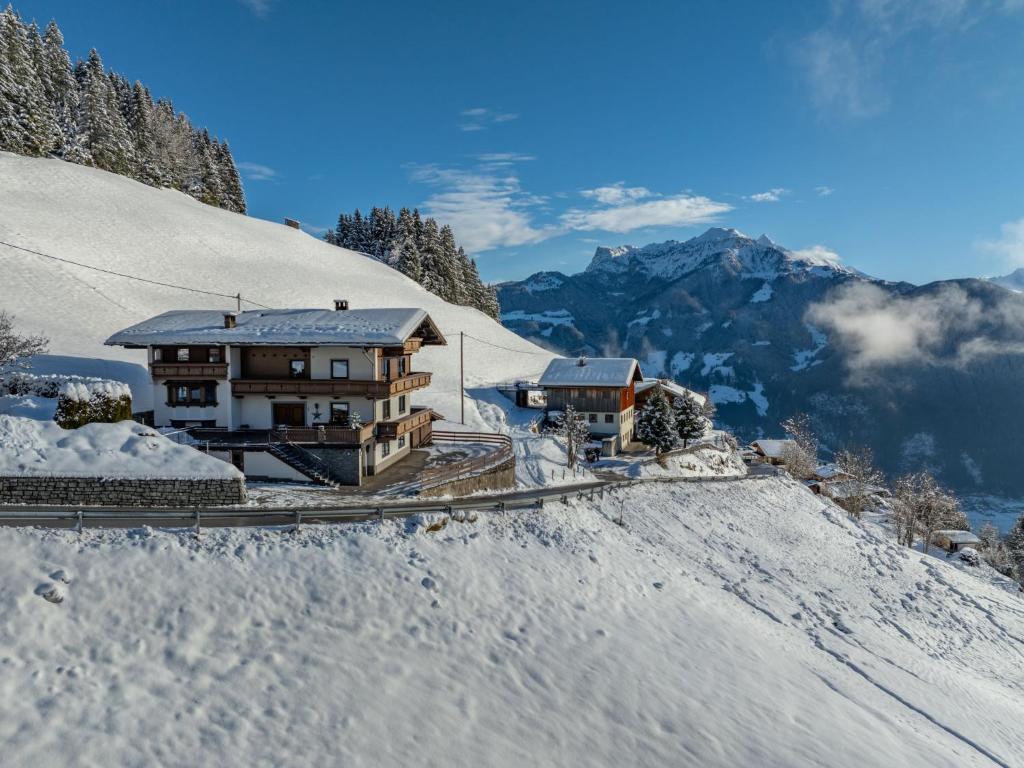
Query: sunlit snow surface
724,624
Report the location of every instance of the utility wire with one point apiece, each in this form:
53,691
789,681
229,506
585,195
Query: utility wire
133,277
498,346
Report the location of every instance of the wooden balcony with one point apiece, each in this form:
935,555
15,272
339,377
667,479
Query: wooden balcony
326,434
188,370
389,430
330,387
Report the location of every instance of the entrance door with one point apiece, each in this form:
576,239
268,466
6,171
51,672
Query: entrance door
289,414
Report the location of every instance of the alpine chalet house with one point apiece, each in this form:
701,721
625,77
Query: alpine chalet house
292,394
601,389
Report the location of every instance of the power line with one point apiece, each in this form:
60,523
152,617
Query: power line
507,349
134,277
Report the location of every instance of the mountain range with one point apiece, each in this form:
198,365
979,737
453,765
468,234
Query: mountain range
927,376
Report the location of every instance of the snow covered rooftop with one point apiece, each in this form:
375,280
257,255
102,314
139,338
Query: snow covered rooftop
359,327
773,449
671,387
829,471
126,449
958,537
591,372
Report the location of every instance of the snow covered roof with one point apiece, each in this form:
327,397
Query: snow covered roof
356,327
591,372
958,537
671,387
773,449
830,471
33,448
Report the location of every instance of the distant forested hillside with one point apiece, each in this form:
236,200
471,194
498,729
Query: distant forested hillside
89,116
418,248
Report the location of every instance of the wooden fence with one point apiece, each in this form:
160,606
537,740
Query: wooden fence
474,465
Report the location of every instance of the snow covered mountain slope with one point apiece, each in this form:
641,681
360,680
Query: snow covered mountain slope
724,249
767,333
112,222
725,624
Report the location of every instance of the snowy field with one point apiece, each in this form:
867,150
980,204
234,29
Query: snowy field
724,624
117,224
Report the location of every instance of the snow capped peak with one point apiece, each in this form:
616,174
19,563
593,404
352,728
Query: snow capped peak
717,234
722,248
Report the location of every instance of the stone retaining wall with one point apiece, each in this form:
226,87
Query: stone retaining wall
499,478
122,492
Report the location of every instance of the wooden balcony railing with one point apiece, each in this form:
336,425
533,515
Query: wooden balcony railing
188,370
389,430
323,434
330,387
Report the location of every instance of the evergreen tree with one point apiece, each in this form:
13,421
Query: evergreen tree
405,256
62,93
100,123
572,429
383,228
1015,549
690,421
140,128
449,272
12,134
231,182
656,424
24,90
429,246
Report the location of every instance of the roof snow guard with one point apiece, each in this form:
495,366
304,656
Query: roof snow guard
305,327
591,372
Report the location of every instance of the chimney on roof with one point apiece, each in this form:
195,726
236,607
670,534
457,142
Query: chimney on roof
582,361
340,305
230,319
291,223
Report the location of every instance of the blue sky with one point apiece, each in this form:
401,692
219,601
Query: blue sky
887,131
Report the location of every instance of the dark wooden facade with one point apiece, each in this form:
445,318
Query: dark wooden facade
600,399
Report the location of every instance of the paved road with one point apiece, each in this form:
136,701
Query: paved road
126,517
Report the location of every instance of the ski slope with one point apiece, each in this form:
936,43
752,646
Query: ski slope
108,221
724,624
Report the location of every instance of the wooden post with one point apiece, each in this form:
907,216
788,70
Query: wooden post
197,524
80,526
298,522
238,300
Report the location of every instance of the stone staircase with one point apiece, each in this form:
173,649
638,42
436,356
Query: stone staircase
303,461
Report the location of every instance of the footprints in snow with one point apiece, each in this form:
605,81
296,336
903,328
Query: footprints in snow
55,591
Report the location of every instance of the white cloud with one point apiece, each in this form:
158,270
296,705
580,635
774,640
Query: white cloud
1010,244
259,7
256,171
823,191
479,118
818,254
771,196
943,327
846,61
676,211
616,194
486,208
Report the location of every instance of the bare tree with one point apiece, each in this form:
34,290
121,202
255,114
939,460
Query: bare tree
572,429
800,458
16,349
864,482
922,507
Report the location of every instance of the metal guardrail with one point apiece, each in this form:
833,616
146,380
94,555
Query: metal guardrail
78,516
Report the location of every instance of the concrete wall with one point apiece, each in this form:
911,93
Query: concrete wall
345,464
499,478
265,465
121,492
